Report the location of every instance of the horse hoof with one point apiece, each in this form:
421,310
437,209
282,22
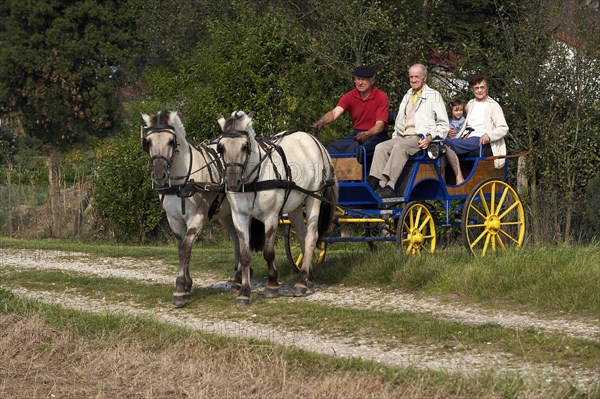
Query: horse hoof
271,292
242,301
300,290
180,301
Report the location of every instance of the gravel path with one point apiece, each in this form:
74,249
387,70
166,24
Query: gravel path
405,356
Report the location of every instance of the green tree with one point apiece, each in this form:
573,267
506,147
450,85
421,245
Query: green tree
250,65
542,57
62,64
123,189
341,34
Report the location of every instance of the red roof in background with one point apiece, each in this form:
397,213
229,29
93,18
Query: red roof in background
568,39
445,59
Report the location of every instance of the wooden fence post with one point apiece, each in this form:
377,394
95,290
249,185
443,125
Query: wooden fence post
54,197
522,181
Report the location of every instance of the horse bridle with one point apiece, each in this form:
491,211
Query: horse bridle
146,131
235,134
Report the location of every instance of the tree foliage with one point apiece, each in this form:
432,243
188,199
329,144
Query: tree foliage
62,64
123,189
250,65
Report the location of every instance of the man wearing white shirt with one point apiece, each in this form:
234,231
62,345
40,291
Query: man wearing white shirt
485,123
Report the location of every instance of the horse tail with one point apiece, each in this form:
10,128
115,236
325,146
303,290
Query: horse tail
257,235
327,209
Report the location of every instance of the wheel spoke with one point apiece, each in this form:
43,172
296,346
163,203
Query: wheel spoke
299,260
503,198
492,197
483,233
294,252
500,243
477,211
517,223
422,226
510,208
485,246
484,202
476,225
508,236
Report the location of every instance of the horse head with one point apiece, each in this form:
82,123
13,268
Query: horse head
235,147
159,139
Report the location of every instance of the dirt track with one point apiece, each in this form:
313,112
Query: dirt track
403,356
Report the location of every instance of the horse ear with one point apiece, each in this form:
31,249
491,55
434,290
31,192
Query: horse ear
221,121
147,118
251,115
175,121
173,116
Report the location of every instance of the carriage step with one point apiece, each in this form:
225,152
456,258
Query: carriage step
392,200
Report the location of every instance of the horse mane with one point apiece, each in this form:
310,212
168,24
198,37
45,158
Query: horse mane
239,120
165,118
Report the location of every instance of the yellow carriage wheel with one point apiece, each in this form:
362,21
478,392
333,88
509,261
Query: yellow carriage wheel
493,218
416,229
293,250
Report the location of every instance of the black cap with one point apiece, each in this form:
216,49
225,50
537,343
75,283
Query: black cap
364,71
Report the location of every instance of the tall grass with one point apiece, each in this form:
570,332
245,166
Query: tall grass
548,278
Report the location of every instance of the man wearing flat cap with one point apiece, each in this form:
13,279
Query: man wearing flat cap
368,108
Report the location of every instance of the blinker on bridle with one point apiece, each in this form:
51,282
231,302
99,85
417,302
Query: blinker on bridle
165,128
232,134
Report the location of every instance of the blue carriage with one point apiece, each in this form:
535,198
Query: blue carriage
485,206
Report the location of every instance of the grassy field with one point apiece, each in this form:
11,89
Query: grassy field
116,356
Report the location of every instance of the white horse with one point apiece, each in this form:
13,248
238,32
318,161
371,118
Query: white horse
189,181
289,173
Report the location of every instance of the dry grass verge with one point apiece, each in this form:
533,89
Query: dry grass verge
41,361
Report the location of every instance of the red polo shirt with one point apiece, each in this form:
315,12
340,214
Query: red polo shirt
364,113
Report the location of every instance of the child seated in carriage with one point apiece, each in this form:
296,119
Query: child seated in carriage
456,117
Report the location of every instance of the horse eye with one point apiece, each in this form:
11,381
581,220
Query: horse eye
220,148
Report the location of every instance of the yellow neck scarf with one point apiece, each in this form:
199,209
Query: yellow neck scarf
413,98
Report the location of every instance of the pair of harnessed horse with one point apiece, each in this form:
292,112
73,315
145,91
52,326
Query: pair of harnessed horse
189,187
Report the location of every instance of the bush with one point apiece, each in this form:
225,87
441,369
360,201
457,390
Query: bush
592,195
123,189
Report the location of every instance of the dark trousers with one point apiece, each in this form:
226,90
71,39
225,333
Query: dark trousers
463,146
347,145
